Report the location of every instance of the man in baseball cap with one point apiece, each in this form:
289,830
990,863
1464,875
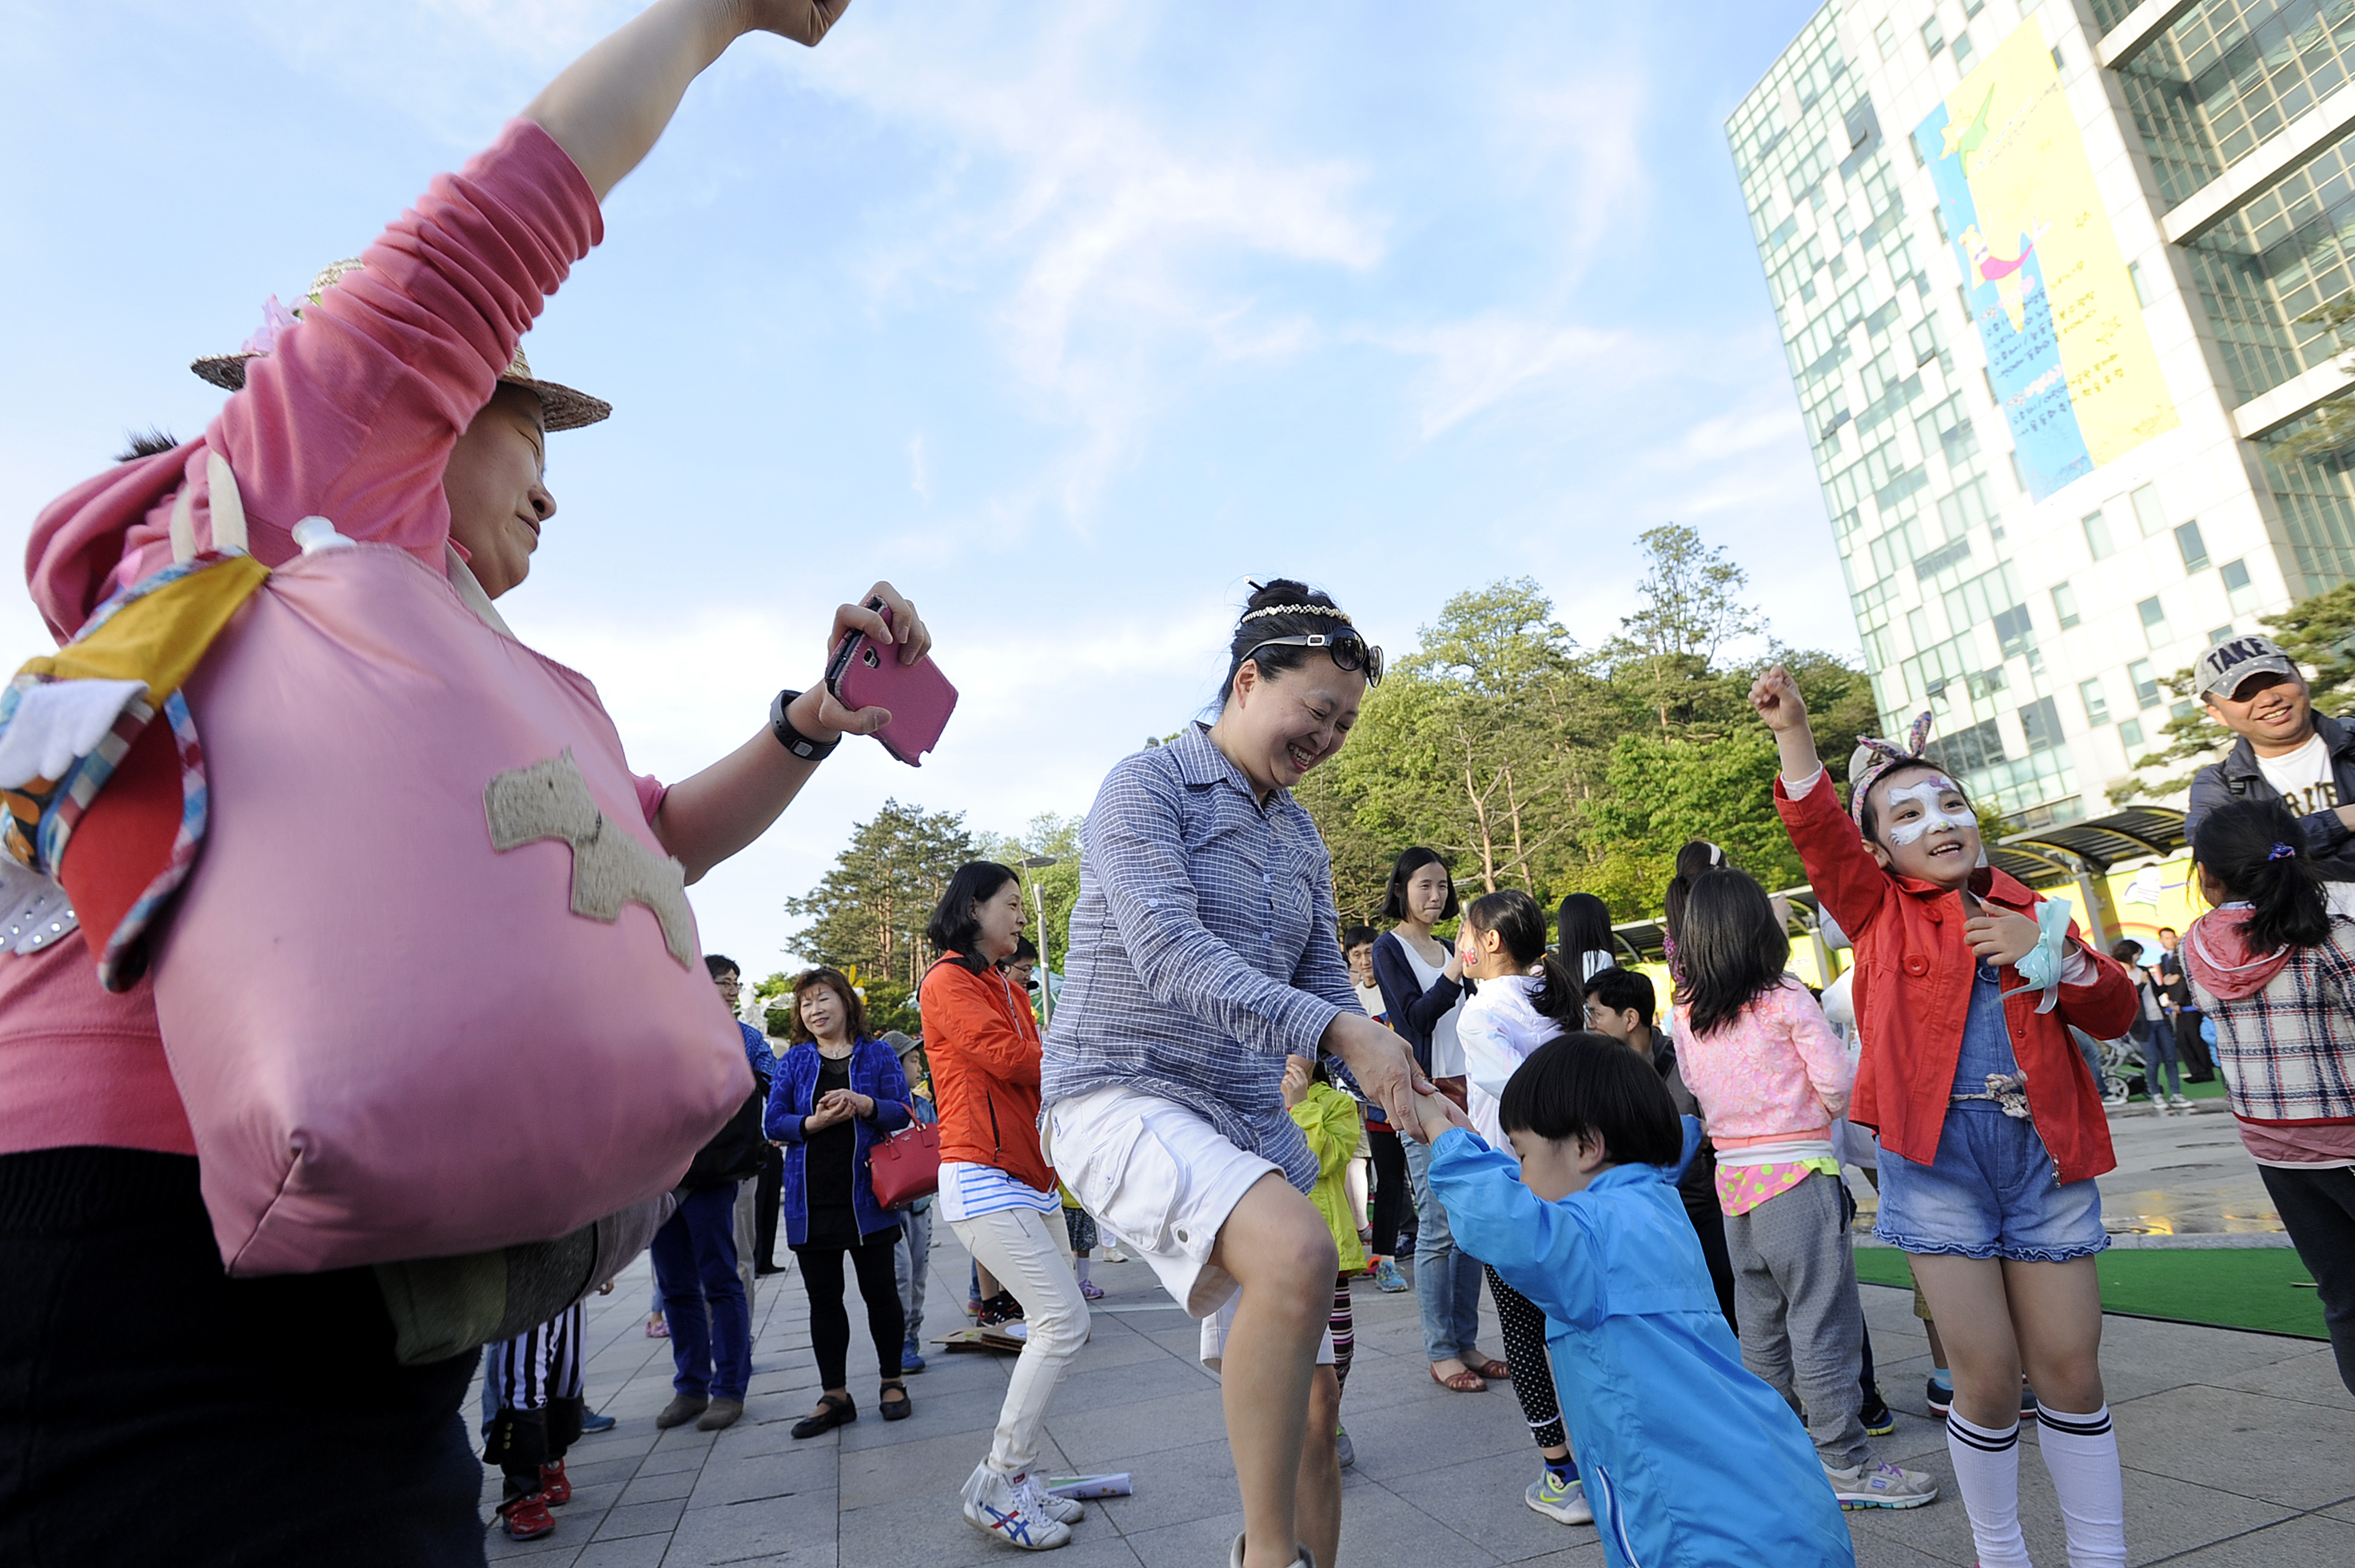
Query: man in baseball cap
2285,751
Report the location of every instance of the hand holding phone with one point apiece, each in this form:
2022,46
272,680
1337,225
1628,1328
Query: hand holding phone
884,675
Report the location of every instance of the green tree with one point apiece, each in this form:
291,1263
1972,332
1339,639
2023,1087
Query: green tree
1663,791
871,907
1688,609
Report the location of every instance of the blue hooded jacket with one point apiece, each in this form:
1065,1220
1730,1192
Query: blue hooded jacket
1688,1459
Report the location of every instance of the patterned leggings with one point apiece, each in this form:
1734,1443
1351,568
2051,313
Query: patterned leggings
1344,1324
1525,1352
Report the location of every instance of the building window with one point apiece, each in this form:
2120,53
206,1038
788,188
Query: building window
2194,550
2040,724
1972,8
2239,591
2097,705
2012,630
2154,619
2130,736
1885,36
1924,338
2097,533
2217,634
2134,276
2064,605
1962,51
1933,36
2146,510
1969,750
2146,684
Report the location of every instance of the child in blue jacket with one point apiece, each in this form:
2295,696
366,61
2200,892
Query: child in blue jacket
1688,1459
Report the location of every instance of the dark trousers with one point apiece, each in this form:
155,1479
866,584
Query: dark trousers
2190,1048
703,1296
1699,1191
1523,1324
2318,1209
766,1198
1393,1196
154,1410
878,1283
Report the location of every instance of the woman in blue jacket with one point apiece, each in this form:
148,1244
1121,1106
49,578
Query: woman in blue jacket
835,1093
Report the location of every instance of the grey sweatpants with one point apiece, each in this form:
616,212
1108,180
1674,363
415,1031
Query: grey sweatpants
1794,1295
911,1260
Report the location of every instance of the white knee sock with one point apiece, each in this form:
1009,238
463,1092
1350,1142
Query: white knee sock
2081,1453
1986,1468
1079,1267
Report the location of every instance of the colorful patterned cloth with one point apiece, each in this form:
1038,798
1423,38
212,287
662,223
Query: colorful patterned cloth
1742,1188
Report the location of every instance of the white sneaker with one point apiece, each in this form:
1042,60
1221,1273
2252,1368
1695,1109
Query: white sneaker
1062,1510
1880,1485
999,1505
1563,1501
1114,1255
2180,1102
1306,1559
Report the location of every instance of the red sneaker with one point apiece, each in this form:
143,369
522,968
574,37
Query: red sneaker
555,1487
527,1518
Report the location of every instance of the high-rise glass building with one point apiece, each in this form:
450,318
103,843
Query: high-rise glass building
2049,275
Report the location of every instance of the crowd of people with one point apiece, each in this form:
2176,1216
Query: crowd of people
1261,1107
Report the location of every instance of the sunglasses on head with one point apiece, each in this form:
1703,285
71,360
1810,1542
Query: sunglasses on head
1350,652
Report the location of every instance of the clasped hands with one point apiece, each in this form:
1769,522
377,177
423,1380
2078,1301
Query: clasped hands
838,1105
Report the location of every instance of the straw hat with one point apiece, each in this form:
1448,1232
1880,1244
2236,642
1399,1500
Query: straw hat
566,408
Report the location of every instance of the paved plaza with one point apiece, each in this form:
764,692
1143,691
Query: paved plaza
2240,1448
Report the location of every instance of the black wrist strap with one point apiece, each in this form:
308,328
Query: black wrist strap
792,739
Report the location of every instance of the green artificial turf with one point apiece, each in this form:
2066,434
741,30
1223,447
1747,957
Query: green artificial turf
2265,1288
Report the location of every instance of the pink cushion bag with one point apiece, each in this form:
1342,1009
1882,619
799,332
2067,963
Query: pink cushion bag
432,985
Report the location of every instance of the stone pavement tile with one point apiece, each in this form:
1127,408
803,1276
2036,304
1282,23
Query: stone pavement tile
1176,1485
1378,1525
641,1518
2141,1356
2163,1515
782,1532
1875,1552
1093,1389
919,1468
1400,1439
967,1410
2281,1450
2345,1510
2311,1378
667,1487
681,1448
1481,1501
1110,1435
930,1527
640,1551
549,1552
756,1477
1587,1556
2312,1540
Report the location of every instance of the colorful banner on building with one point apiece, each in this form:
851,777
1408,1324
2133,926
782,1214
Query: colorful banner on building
2071,359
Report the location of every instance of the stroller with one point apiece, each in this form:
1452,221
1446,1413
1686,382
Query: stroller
2117,1065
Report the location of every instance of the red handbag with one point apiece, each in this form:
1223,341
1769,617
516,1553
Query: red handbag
905,1165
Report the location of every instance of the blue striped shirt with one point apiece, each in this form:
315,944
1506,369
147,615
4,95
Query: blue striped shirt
1204,947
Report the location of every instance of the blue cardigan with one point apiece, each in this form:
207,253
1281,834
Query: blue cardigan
792,1094
1688,1457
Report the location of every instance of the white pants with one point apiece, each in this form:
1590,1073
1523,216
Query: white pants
1031,1255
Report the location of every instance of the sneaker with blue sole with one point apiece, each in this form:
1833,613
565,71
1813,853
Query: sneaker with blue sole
912,1359
1388,1279
591,1421
1563,1501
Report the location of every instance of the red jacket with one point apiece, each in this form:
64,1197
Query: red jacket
982,1041
1915,988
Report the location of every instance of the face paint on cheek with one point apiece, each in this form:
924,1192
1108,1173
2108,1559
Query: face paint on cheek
1930,794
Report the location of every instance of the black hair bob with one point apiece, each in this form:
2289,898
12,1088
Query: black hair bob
1408,863
1588,1085
1623,990
1582,926
2237,843
955,927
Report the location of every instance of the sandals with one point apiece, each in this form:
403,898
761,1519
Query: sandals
1465,1381
1493,1370
833,1410
898,1409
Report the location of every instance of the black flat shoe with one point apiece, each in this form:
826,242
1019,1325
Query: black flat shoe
898,1409
833,1410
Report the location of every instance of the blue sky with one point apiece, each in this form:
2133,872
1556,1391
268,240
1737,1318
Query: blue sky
1067,319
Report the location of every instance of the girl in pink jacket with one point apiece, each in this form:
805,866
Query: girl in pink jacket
1770,1078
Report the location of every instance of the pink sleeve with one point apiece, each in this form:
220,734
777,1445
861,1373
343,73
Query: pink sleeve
1829,1068
353,415
651,792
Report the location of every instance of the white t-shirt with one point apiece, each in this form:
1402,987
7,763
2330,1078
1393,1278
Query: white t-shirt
2308,785
1446,1051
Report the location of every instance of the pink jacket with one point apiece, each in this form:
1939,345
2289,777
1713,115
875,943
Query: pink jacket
1776,1073
352,417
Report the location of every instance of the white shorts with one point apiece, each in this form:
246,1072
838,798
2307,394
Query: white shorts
1163,1181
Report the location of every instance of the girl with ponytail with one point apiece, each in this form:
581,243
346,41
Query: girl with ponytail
1528,996
2275,970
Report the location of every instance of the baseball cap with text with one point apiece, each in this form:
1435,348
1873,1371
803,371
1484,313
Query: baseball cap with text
2223,667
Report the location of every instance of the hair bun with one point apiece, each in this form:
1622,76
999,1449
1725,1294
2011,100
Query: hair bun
1284,591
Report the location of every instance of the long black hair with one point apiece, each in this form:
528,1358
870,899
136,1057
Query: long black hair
1520,927
955,925
2256,849
1250,634
1582,926
1697,858
1733,950
1403,870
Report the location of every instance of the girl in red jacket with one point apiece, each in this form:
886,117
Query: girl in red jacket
1991,1127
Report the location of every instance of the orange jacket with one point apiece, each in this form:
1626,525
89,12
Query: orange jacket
983,1044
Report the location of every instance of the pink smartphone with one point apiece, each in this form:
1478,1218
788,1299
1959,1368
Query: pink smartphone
864,675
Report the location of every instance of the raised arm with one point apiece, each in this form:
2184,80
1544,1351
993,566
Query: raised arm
609,106
1841,869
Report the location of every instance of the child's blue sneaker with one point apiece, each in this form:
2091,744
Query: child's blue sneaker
912,1359
1563,1501
1387,1278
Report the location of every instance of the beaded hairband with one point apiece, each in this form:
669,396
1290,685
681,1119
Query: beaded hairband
1324,610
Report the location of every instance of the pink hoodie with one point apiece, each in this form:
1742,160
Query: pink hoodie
351,416
2285,1036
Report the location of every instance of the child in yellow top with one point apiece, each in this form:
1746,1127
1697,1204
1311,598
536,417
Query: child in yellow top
1329,1118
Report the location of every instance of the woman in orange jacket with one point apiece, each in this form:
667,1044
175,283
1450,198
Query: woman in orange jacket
996,1192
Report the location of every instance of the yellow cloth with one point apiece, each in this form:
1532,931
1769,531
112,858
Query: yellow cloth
161,637
1330,1120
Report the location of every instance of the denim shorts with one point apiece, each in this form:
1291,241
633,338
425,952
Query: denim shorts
1993,1191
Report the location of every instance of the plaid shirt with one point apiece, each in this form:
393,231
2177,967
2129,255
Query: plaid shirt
1204,948
2288,1051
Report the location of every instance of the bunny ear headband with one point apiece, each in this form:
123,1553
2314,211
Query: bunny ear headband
1874,757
